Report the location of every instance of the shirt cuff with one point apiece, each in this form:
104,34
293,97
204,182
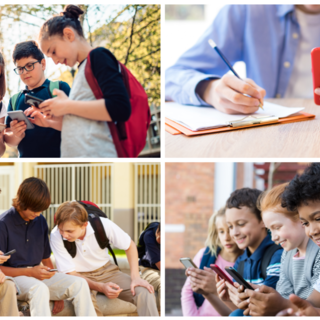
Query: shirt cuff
190,89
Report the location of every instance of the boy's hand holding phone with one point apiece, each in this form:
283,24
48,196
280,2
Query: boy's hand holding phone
18,128
41,272
231,95
234,293
3,258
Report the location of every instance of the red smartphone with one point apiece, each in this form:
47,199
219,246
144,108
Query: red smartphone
221,273
315,61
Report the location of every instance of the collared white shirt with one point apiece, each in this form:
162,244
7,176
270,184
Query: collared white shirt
89,255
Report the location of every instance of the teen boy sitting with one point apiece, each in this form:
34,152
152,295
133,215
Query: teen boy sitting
248,231
303,194
42,141
93,263
24,228
150,256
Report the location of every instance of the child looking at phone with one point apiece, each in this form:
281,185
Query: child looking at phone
220,250
300,261
62,39
45,139
3,111
303,195
249,232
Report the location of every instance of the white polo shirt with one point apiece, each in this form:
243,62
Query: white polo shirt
89,255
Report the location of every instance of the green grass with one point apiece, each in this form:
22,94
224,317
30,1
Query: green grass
119,253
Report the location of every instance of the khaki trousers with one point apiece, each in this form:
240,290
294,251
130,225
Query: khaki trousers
153,277
8,299
143,299
60,287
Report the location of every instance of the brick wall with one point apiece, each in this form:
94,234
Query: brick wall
189,201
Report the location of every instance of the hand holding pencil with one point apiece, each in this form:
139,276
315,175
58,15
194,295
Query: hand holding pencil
230,94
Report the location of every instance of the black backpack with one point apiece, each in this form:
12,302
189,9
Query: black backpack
141,245
93,214
265,260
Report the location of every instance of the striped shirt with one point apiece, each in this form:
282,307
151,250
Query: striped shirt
300,285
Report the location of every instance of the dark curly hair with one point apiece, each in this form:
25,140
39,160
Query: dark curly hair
245,197
27,49
302,188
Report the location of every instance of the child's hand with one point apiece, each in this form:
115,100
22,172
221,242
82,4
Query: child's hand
3,258
317,91
203,280
18,128
38,118
228,94
234,292
56,106
222,289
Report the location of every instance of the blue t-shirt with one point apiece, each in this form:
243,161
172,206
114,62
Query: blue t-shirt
252,265
29,238
152,247
39,142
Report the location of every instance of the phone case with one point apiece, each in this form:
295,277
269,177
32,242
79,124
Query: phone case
220,273
32,101
20,116
315,61
238,277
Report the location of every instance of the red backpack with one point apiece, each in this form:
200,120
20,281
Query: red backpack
129,137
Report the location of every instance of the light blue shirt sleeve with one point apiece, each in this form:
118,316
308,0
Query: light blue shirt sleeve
201,62
264,37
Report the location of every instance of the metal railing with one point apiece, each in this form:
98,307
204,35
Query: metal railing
147,177
66,182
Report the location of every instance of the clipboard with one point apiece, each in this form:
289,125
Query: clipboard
176,128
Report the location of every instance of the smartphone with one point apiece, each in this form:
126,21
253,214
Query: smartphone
9,253
315,62
221,273
53,270
238,277
188,263
32,101
2,127
20,116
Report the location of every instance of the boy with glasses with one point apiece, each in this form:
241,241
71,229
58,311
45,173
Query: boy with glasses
44,140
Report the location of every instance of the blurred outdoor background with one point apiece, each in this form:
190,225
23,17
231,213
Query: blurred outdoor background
192,192
129,193
130,32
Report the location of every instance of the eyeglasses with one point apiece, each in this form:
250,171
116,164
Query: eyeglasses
28,67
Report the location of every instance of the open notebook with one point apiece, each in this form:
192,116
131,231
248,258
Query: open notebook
198,118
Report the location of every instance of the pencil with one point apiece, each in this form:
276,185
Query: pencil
222,56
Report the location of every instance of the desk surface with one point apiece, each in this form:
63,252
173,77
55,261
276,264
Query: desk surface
292,140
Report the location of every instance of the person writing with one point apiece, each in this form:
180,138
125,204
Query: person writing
200,77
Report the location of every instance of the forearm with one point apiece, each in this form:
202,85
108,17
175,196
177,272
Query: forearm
47,263
11,140
132,256
221,306
16,272
93,110
2,146
55,123
93,285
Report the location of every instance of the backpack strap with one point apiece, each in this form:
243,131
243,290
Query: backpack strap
267,258
240,268
100,234
311,253
53,85
14,100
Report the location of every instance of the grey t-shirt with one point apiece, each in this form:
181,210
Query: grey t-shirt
84,138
